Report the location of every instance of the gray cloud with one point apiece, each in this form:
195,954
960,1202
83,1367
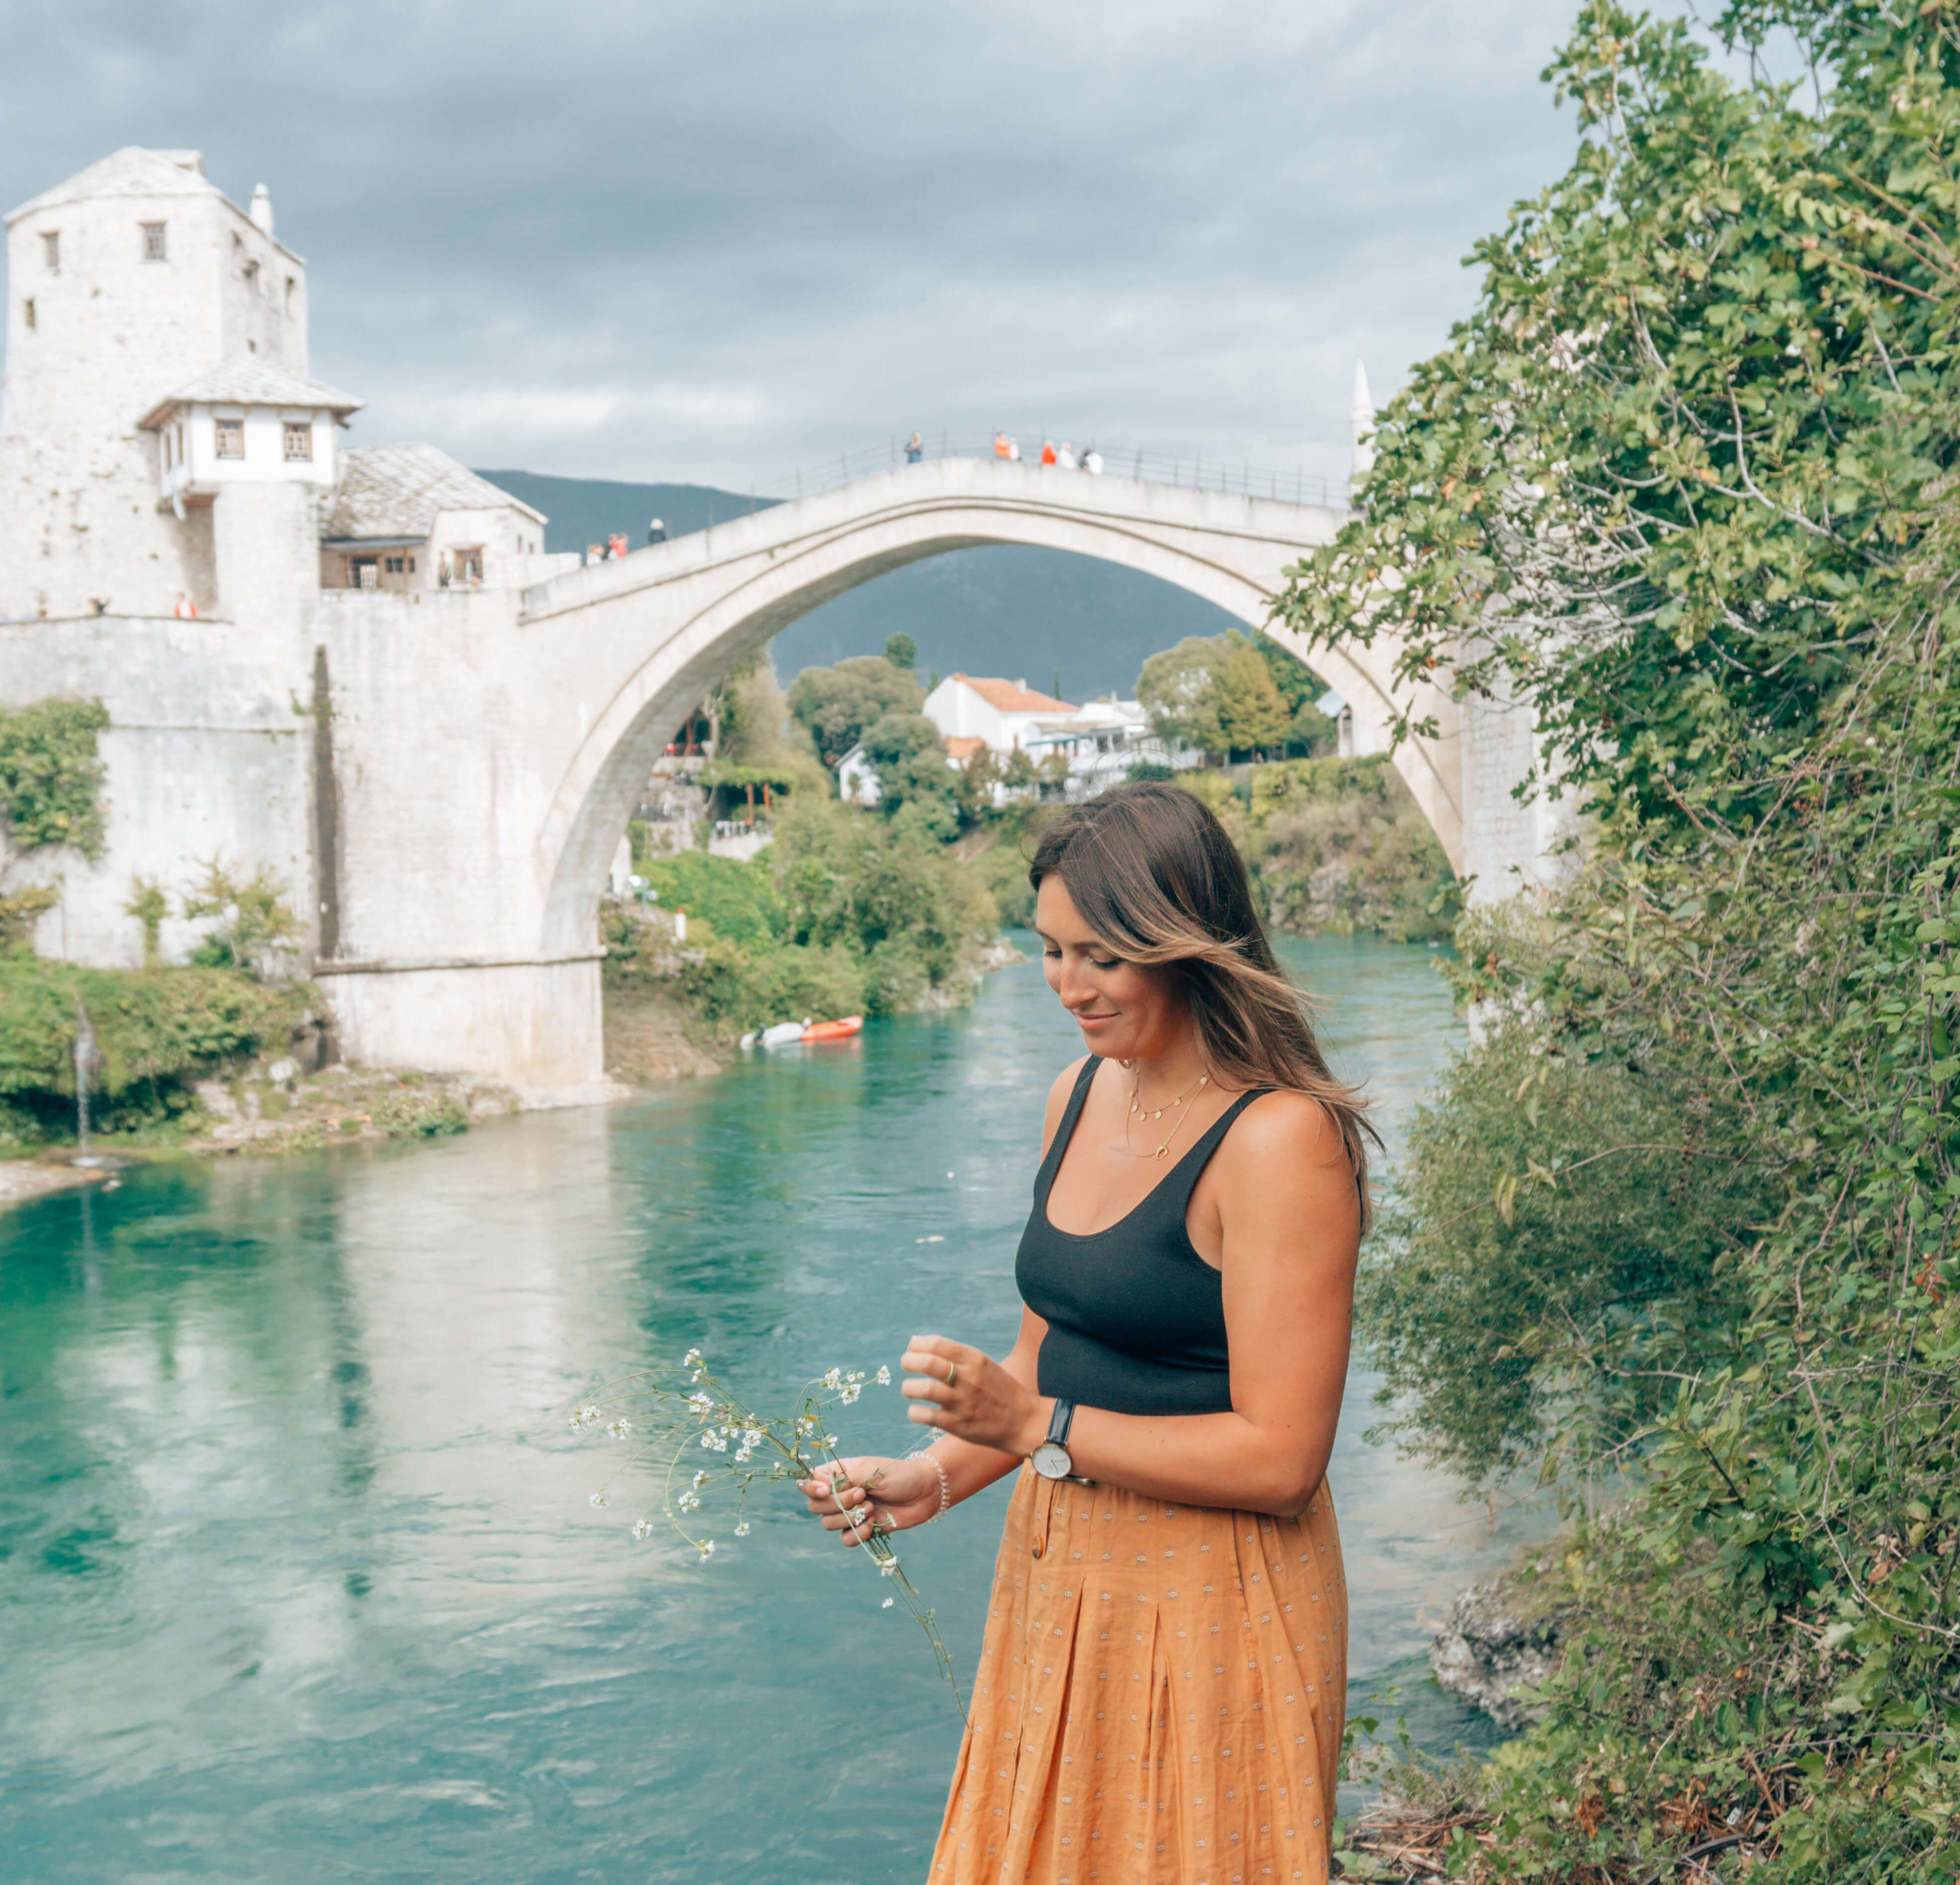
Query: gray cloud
715,238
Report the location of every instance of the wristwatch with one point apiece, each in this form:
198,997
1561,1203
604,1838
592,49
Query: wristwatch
1050,1458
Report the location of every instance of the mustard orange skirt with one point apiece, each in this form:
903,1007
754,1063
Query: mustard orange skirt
1160,1697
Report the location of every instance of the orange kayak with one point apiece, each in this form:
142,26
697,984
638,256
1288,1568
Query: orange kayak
834,1030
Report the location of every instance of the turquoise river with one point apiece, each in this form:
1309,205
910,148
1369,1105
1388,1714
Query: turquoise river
299,1582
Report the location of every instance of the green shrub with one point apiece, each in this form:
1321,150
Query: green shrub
51,775
737,897
734,988
155,1033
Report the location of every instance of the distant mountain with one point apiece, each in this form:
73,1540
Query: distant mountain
1040,615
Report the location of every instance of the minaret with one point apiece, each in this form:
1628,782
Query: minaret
1360,428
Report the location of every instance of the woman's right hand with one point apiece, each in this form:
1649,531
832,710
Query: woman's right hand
853,1495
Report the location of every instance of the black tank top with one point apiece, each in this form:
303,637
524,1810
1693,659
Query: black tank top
1136,1317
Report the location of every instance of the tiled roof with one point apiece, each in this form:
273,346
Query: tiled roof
131,171
250,380
963,745
396,490
1013,697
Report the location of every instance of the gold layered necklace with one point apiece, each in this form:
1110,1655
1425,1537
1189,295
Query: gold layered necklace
1138,1111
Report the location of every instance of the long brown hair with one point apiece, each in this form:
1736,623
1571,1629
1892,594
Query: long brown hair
1152,873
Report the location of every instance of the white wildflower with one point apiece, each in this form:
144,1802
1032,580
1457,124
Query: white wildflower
888,1569
688,1501
884,1377
700,1479
706,1547
850,1395
742,1529
742,1456
701,1404
834,1378
886,1605
599,1499
692,1358
714,1442
620,1428
641,1526
753,1436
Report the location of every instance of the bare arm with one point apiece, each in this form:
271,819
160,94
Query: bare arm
1291,1224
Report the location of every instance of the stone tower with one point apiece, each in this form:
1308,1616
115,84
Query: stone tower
124,285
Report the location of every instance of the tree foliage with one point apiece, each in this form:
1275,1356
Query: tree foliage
1685,476
836,704
1223,695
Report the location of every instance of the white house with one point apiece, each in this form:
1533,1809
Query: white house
1001,714
1103,741
857,779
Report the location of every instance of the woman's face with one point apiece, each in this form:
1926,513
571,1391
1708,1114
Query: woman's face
1125,1011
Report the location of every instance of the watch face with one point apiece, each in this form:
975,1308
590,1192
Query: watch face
1052,1461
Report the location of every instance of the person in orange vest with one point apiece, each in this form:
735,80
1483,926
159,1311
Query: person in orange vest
1048,451
1001,445
186,609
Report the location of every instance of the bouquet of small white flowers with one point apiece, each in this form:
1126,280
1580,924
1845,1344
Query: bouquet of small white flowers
669,1418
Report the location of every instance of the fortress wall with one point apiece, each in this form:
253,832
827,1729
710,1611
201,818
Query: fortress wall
207,754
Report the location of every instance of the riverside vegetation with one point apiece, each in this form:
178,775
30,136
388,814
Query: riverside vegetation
1682,1235
883,911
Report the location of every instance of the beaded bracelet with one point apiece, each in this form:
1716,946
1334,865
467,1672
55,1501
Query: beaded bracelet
945,1484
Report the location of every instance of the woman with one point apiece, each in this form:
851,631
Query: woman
1160,1694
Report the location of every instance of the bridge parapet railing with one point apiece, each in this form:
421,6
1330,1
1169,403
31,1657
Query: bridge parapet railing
1192,471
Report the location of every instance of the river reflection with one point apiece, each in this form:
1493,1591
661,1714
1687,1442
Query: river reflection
298,1577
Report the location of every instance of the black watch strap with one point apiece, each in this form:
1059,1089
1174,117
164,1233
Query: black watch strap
1060,1422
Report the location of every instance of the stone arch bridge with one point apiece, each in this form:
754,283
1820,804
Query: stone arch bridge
483,786
448,772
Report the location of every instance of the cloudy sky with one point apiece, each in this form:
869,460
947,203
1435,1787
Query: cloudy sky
714,239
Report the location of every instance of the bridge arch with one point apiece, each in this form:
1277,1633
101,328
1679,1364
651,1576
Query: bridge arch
657,629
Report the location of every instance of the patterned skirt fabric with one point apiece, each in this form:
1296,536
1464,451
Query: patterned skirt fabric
1160,1696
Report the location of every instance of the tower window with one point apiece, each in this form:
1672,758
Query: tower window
299,442
28,312
230,438
154,247
252,276
51,250
290,286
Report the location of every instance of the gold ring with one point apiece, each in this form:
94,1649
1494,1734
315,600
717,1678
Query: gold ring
951,1373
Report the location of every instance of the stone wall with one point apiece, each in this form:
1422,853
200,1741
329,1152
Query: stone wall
208,755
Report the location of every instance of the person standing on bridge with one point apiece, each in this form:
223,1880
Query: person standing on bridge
1163,1686
914,449
1000,446
1064,456
1014,448
1048,455
616,547
1092,462
657,531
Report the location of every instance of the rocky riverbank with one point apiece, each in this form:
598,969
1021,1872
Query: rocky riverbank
1502,1638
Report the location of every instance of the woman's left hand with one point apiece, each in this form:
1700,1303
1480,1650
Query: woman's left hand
959,1390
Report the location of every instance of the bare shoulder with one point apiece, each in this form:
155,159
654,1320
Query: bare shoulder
1058,1098
1286,1128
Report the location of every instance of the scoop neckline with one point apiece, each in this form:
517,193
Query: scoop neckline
1089,1237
